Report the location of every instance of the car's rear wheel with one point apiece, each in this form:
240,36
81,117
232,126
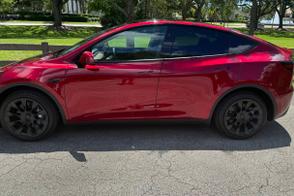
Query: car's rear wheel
240,115
28,115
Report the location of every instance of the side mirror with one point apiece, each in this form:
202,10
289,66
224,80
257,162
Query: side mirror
87,58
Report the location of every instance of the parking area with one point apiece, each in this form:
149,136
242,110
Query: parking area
150,159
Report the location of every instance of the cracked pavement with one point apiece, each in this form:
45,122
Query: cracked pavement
150,159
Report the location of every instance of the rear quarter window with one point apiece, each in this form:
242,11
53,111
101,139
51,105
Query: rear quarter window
199,41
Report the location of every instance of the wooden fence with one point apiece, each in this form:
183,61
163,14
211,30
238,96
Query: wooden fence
44,47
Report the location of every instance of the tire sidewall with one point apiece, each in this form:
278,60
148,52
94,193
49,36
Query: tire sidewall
227,102
39,98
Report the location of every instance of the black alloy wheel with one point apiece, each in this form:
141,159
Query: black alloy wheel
28,115
241,115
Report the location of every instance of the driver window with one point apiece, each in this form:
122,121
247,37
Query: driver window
134,44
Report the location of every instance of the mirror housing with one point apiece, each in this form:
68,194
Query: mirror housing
86,58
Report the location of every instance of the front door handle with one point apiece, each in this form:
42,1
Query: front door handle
55,80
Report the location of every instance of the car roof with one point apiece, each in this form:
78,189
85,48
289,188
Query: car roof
173,22
178,22
124,27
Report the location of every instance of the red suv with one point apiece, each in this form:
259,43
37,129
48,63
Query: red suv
150,70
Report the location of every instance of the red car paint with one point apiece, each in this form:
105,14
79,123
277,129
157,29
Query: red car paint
162,88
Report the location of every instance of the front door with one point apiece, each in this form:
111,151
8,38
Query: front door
125,82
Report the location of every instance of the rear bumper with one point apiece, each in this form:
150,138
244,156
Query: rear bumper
283,104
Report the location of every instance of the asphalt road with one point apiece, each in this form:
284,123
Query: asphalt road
150,159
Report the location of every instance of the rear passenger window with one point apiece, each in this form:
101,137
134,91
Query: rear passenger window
198,41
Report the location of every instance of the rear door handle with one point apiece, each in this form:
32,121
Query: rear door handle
146,72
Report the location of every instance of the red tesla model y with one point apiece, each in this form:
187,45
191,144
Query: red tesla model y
150,70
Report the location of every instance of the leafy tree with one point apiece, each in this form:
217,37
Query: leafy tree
49,5
185,6
115,11
30,5
6,5
283,5
162,9
56,12
198,5
119,11
221,10
258,9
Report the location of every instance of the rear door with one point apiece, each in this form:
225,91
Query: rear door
198,63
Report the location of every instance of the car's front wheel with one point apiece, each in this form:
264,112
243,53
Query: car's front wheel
28,115
240,115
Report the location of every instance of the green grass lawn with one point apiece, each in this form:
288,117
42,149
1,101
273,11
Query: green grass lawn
281,38
57,41
17,55
279,41
39,34
48,22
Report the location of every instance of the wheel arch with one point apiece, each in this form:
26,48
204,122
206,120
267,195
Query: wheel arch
260,91
16,87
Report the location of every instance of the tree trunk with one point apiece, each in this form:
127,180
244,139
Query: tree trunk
198,15
130,10
281,23
253,18
184,9
184,15
56,11
146,9
198,8
281,12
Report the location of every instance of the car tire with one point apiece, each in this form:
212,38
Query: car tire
240,115
29,115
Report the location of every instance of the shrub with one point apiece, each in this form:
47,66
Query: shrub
47,17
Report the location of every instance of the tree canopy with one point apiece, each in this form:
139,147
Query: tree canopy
114,12
6,5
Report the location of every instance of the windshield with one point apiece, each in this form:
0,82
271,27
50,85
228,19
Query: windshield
77,45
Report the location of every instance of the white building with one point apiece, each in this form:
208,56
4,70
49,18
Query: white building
288,19
75,7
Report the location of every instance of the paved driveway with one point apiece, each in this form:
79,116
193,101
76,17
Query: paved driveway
152,159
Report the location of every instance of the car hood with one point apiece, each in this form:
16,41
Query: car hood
41,61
